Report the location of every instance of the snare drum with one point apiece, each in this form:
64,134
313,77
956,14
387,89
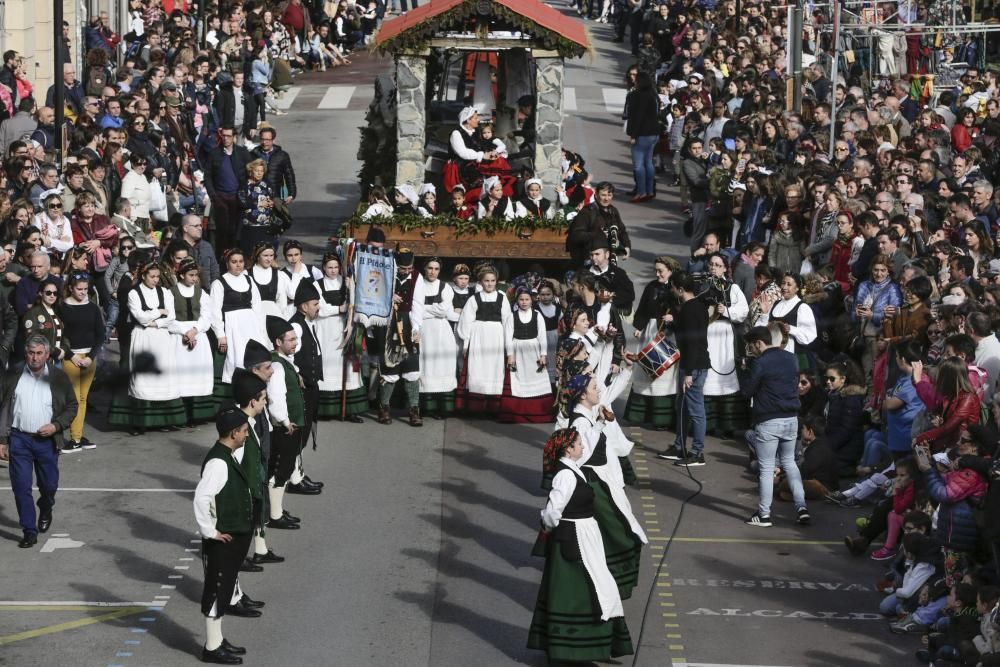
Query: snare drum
657,357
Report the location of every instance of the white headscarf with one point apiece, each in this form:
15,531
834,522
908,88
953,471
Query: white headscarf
427,187
467,113
530,181
488,185
409,192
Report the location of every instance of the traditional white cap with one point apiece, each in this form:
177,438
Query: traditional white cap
467,113
488,185
409,192
425,188
536,181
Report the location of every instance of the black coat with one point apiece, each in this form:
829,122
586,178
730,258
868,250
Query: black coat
844,432
241,157
643,110
308,358
225,106
820,464
279,170
624,289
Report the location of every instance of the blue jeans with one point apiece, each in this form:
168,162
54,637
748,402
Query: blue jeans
775,439
890,605
27,453
110,318
693,413
876,449
643,168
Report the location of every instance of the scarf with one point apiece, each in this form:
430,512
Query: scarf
747,259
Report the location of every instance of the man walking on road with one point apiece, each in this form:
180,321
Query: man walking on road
772,384
39,404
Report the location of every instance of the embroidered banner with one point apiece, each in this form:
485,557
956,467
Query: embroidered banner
374,270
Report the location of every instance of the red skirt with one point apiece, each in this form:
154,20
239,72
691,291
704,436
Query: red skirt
525,409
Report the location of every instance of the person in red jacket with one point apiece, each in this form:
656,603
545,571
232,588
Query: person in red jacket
957,409
98,235
964,131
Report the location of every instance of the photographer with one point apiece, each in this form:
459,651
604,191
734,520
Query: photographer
772,383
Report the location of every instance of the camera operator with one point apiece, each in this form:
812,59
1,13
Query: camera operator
772,383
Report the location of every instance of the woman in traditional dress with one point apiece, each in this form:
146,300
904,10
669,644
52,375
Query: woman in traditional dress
795,317
726,409
84,335
652,401
193,369
481,328
429,311
461,275
331,326
273,284
237,315
155,396
622,534
551,311
528,399
494,204
295,268
578,616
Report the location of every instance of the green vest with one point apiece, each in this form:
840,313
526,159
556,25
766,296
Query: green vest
252,465
234,503
293,392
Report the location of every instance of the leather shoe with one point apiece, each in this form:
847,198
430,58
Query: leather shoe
220,656
302,490
250,602
283,524
249,566
309,482
235,650
243,610
29,540
293,519
269,557
44,521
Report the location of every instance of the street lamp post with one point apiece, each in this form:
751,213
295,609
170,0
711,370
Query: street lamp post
57,79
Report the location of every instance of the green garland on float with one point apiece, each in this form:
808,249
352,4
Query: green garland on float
471,227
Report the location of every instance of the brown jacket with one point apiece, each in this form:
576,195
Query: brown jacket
908,324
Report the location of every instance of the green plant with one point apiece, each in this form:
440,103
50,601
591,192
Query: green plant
469,227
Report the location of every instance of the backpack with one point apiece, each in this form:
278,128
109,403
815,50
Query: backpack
97,78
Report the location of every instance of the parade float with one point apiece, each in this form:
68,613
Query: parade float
450,54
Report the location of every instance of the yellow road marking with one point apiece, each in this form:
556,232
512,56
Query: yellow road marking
670,615
673,636
736,540
671,625
676,647
70,625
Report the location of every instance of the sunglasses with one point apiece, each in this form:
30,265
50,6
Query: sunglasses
54,207
803,383
830,378
50,292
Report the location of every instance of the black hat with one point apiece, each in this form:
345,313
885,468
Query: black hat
246,387
277,327
375,235
255,353
229,419
404,257
526,101
306,291
604,283
600,243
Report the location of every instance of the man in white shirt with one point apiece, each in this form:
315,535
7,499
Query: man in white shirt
223,507
39,404
987,350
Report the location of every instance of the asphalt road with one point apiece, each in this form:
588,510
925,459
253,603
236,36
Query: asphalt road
417,552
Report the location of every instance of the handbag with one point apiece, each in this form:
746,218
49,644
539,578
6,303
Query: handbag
281,218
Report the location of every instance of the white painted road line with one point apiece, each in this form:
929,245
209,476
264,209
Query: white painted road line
337,97
716,664
78,603
109,490
286,100
569,99
614,99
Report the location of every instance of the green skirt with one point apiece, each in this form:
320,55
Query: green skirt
622,549
201,408
329,403
567,621
440,403
129,412
222,394
656,411
726,415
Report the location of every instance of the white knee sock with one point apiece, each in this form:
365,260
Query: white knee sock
297,473
277,497
259,545
237,593
213,633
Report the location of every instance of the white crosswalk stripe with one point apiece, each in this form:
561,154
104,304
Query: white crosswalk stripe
614,99
286,100
569,99
337,97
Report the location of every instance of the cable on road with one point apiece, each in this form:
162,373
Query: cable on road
673,532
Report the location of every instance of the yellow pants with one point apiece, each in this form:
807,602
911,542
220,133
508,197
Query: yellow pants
81,379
